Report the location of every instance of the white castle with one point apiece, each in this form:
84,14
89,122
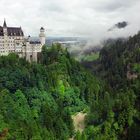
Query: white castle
12,40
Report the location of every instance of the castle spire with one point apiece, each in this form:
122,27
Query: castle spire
4,24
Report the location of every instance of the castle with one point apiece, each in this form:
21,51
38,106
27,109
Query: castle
12,40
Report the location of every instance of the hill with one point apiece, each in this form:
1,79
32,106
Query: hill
116,114
38,99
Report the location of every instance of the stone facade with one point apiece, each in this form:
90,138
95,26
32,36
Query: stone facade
12,40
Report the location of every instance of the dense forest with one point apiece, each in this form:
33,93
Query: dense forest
37,100
116,114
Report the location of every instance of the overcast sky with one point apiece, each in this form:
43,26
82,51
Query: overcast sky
88,18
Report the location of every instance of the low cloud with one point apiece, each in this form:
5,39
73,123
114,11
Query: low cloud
119,25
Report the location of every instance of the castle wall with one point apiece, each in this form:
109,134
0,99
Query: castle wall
30,51
10,42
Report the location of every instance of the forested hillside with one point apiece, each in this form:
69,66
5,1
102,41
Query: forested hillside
116,114
38,99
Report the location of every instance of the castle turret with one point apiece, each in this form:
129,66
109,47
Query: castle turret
5,28
42,36
5,33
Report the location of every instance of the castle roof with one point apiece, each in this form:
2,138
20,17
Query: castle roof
41,28
14,31
35,42
1,31
11,31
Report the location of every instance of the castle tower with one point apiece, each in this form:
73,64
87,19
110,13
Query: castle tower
42,36
28,50
5,28
5,33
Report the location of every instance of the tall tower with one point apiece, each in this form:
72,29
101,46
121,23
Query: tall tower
42,36
5,33
5,28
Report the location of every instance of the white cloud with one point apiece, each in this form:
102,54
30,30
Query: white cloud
90,18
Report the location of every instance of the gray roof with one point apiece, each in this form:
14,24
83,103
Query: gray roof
11,31
35,42
1,31
15,31
42,28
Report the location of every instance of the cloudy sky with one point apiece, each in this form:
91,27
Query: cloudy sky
87,18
